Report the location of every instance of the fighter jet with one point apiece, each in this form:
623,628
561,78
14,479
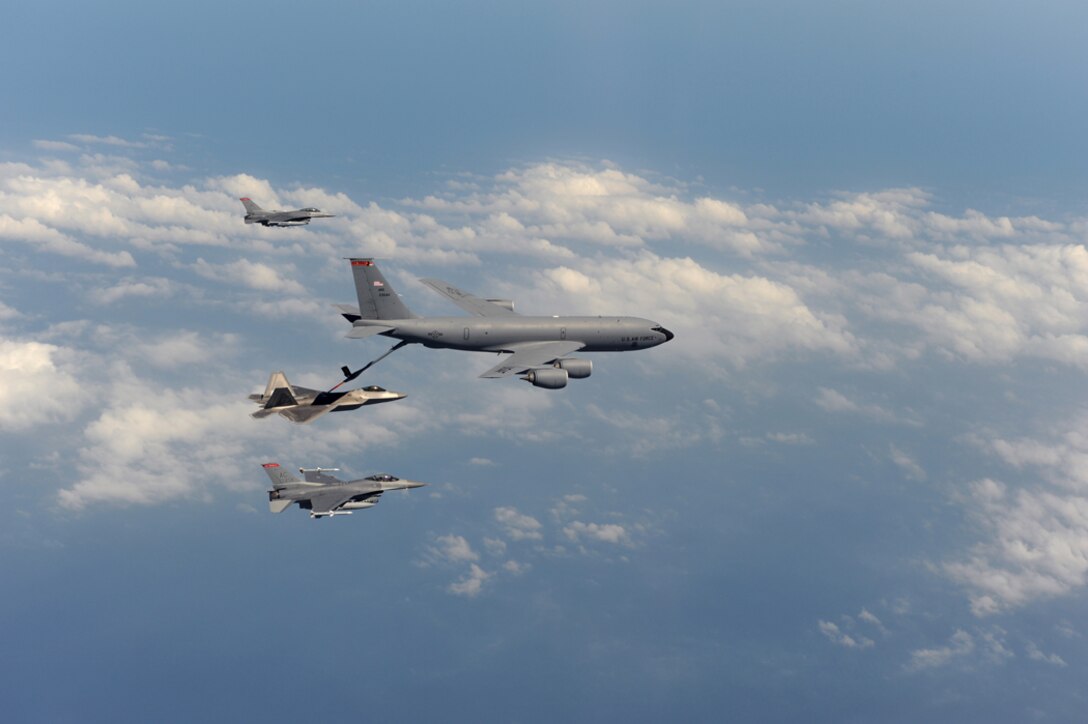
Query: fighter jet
300,404
274,217
539,347
325,496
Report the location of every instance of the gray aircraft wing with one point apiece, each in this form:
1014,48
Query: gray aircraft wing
330,500
532,355
469,302
306,413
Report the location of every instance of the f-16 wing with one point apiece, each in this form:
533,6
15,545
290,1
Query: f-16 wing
470,302
531,355
327,502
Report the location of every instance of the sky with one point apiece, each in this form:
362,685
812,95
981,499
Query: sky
854,487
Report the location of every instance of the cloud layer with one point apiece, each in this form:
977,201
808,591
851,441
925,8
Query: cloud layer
854,289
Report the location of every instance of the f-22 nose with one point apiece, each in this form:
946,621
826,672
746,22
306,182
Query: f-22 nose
668,335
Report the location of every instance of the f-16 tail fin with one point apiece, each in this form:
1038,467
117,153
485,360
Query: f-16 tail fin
377,300
251,208
280,477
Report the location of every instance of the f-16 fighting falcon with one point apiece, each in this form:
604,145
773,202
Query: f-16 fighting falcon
301,404
325,496
539,347
274,217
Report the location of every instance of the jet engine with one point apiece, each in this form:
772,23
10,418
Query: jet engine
552,379
505,303
577,369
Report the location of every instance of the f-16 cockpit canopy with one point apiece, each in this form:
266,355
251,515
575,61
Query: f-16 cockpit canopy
383,478
311,209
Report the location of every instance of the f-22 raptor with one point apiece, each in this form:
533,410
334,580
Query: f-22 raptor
326,496
274,217
539,347
301,404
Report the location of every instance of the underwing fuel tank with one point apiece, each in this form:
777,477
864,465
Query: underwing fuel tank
359,505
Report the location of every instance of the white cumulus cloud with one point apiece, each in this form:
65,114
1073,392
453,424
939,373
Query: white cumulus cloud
841,638
39,385
602,532
455,549
518,526
471,584
960,645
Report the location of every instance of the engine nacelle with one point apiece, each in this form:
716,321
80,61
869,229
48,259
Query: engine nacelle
552,379
577,369
504,303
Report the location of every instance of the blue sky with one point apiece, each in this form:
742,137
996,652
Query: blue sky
854,487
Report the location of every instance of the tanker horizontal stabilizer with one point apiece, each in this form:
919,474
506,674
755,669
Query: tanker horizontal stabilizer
362,332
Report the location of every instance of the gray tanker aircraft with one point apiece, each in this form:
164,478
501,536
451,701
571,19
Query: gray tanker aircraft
326,496
301,404
539,347
274,217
